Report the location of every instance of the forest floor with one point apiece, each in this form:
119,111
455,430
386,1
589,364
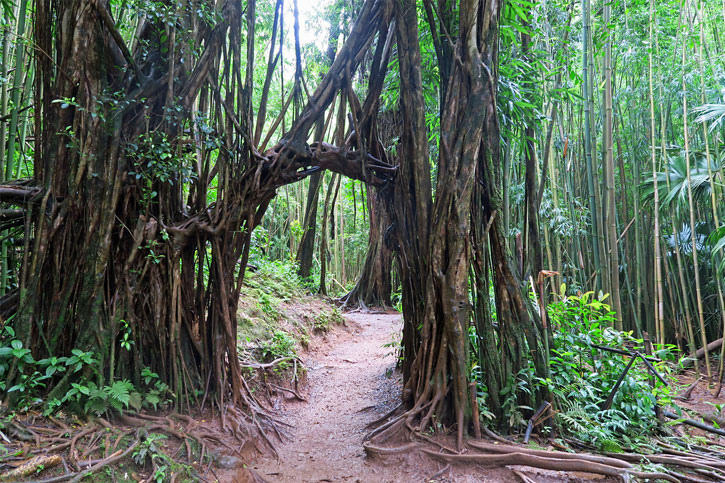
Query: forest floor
348,380
351,382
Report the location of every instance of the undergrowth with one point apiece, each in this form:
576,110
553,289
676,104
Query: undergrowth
277,313
583,377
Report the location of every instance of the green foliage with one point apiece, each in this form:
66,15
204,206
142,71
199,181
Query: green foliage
515,385
148,449
84,395
582,376
672,185
714,113
151,452
395,346
281,344
275,279
717,240
481,394
324,320
156,390
268,305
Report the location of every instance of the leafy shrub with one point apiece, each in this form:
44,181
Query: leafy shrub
582,376
281,344
324,319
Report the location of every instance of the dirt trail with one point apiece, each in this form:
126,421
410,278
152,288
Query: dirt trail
351,382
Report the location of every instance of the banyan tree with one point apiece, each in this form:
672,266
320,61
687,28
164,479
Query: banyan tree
153,164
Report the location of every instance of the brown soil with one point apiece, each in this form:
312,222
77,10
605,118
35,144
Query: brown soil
352,382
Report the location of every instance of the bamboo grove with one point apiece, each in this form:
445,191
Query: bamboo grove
468,160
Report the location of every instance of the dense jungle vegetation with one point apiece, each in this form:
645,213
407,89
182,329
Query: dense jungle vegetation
537,185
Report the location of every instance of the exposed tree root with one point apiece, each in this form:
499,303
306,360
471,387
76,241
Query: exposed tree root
31,466
523,477
687,393
504,449
78,476
268,365
698,465
93,446
291,391
373,450
556,464
440,473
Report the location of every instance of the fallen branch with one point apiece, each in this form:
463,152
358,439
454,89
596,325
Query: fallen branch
32,466
696,424
712,417
714,345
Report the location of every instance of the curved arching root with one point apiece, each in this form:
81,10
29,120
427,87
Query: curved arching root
676,464
556,464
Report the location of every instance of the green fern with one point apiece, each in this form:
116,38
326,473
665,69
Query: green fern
119,393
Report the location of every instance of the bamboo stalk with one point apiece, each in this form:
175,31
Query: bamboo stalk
713,189
691,206
658,302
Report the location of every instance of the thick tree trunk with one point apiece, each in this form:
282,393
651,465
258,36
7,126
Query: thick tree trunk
374,286
306,250
411,209
435,332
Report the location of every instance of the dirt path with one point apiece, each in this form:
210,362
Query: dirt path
351,382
